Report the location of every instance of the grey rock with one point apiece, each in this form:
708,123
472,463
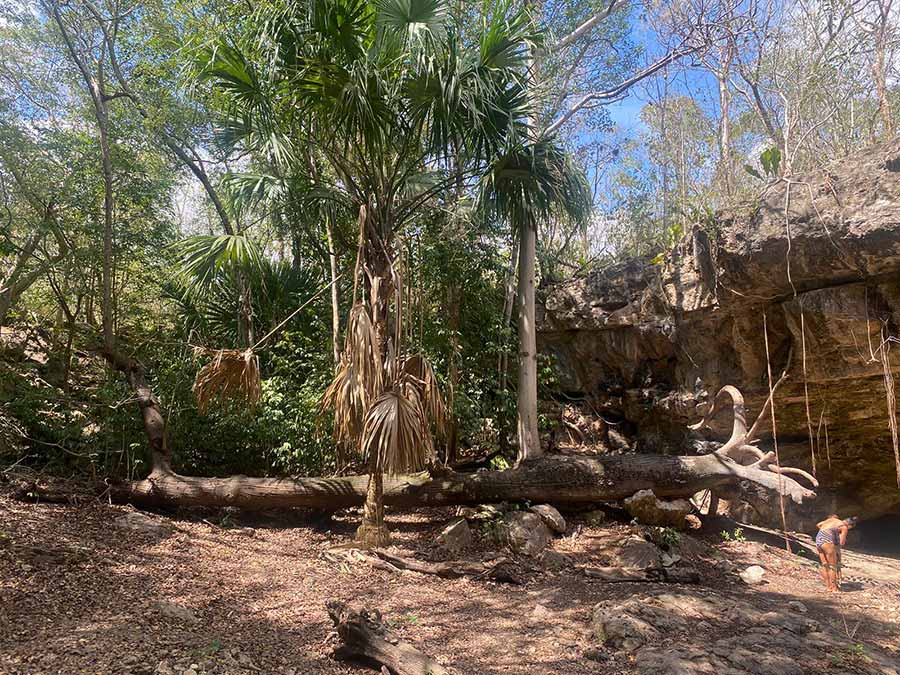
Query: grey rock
797,606
551,517
631,552
555,559
596,517
524,532
456,536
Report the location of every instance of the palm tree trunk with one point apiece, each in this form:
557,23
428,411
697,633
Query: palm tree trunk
373,533
335,305
529,441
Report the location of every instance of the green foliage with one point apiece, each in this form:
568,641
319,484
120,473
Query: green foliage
666,537
737,535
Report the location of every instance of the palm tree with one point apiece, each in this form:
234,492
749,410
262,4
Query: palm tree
527,185
400,108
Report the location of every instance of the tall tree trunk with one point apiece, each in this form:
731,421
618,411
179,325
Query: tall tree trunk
879,65
246,334
453,378
372,531
725,164
527,426
509,302
335,305
151,414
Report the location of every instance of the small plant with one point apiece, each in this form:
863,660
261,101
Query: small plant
409,619
857,650
665,537
770,161
737,535
499,463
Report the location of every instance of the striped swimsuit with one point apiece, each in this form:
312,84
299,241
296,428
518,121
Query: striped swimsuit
829,536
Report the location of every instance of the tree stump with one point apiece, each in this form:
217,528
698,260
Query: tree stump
365,636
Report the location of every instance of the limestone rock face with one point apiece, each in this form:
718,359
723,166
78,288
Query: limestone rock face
648,344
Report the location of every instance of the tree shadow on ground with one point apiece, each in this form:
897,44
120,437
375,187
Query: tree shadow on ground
259,602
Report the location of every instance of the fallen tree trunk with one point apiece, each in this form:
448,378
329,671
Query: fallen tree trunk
365,637
555,479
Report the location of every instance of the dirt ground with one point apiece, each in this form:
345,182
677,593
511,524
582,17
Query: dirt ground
81,594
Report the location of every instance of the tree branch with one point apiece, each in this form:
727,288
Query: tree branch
621,88
588,25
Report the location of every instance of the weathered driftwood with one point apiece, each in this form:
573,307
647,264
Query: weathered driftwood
364,636
671,575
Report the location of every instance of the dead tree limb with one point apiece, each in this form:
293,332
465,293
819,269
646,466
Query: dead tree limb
503,570
651,574
365,636
740,446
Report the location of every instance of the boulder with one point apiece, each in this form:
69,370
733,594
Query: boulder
456,536
753,575
555,559
631,552
482,512
671,331
649,509
551,517
524,532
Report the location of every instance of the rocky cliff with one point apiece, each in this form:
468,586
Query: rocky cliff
815,263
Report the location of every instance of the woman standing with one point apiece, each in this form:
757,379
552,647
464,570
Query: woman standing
831,538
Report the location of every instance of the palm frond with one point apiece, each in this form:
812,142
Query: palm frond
537,182
417,372
396,434
358,378
413,20
232,374
201,258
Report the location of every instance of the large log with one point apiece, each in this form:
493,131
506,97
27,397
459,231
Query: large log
560,480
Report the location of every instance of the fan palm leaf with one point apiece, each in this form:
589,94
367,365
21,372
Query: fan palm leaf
200,259
396,436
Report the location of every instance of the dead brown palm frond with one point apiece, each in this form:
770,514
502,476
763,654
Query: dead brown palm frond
396,434
418,372
232,374
357,379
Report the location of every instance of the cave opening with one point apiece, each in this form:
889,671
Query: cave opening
879,535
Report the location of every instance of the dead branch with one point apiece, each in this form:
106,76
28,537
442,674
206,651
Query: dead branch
651,574
739,446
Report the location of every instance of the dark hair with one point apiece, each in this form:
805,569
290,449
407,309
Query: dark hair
851,521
